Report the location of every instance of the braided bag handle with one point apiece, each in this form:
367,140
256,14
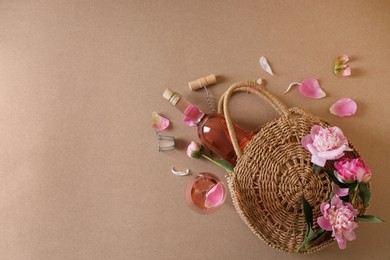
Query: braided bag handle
251,87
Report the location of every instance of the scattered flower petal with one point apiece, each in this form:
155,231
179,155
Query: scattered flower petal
159,122
264,64
343,107
180,173
214,196
309,88
291,85
341,68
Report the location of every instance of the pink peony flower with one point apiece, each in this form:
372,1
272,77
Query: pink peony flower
338,217
325,144
194,150
350,170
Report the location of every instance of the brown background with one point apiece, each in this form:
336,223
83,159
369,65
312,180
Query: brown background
80,174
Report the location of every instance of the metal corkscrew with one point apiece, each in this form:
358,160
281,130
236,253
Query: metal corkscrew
203,83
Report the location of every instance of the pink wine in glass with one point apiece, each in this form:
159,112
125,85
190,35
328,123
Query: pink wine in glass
205,193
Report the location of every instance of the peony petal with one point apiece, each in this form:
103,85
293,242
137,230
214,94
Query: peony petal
343,71
342,60
349,235
318,160
215,196
306,140
324,224
264,64
341,192
343,107
312,149
337,175
336,201
310,88
315,129
342,243
334,154
159,122
291,85
338,131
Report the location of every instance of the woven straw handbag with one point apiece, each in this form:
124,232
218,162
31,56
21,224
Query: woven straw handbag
274,172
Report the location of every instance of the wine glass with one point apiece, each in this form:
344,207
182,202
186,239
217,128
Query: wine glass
205,193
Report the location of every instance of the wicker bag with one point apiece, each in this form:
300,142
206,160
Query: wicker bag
274,172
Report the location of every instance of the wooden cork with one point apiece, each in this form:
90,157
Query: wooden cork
202,82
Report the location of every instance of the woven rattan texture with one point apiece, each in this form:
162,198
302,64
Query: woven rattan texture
272,175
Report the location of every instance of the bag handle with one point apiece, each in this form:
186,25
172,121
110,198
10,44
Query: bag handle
251,87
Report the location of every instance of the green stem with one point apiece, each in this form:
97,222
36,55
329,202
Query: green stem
217,163
355,193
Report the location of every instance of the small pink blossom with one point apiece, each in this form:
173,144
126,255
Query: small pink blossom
343,107
341,68
194,150
350,170
338,217
325,144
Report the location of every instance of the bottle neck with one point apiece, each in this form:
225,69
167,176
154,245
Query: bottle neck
190,111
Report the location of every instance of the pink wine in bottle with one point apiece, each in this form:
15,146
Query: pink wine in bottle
212,129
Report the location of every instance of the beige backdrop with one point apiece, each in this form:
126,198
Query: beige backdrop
80,174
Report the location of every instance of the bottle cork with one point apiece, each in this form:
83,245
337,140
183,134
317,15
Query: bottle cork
171,96
202,82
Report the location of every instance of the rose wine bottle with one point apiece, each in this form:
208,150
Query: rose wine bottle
212,129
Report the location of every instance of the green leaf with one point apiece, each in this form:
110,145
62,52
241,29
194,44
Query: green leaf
310,238
353,187
331,195
221,163
370,218
226,165
364,193
308,211
316,235
316,168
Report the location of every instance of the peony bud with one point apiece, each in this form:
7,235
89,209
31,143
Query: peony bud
349,170
194,150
